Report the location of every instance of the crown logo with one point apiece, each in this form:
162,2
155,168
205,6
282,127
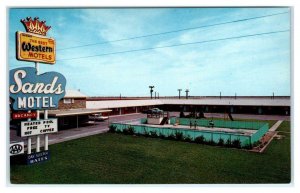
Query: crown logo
35,26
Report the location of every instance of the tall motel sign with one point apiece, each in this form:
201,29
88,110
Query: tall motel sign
32,92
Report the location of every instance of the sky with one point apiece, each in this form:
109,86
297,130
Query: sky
250,66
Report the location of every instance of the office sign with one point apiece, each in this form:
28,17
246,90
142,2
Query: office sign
24,115
38,157
16,148
35,48
33,92
38,127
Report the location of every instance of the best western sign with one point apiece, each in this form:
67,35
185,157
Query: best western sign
38,127
33,92
35,48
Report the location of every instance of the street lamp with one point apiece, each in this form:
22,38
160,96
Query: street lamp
151,90
179,90
187,93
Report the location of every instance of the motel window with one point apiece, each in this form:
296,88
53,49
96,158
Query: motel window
68,101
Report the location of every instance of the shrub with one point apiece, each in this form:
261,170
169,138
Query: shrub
236,143
187,139
118,131
228,143
221,142
200,139
112,128
178,136
256,144
248,146
171,137
153,134
130,130
146,134
125,131
211,142
161,135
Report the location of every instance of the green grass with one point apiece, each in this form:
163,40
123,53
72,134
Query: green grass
285,127
122,159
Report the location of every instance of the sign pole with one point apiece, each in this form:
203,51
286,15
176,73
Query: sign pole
29,138
46,135
37,112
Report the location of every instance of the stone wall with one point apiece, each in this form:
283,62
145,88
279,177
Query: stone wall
78,104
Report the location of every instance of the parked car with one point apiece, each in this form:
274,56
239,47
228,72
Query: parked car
98,117
156,110
147,111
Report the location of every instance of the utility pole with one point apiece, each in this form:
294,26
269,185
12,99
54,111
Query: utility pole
155,95
235,96
220,95
151,90
179,90
187,93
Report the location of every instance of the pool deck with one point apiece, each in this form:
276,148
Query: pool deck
246,132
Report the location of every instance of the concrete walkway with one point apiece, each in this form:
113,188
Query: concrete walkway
272,132
276,125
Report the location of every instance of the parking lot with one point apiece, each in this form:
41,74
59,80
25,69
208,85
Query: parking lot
96,127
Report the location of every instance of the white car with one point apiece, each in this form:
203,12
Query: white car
98,117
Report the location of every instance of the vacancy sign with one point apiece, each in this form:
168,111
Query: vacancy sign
38,127
35,48
24,115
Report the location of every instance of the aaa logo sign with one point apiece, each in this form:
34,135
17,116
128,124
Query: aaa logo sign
35,48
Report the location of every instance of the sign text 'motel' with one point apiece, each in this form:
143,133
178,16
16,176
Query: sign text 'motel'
32,92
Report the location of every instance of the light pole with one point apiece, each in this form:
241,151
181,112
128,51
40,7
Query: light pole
187,93
151,90
179,90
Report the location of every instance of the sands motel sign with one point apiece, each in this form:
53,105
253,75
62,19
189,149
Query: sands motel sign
31,91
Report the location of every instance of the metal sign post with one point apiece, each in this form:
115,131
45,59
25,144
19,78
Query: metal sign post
38,113
29,139
46,135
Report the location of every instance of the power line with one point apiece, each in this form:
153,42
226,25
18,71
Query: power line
176,45
174,31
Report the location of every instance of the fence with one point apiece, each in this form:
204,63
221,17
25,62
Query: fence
214,136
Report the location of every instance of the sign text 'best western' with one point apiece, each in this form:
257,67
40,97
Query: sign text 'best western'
35,48
32,92
38,127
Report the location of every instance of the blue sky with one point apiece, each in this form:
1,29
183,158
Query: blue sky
251,66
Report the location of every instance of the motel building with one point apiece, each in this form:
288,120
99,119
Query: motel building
75,109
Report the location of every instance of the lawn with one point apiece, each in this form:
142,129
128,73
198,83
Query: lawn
122,159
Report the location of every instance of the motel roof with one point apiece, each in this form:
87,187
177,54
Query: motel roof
245,101
72,112
74,94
